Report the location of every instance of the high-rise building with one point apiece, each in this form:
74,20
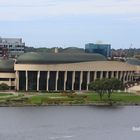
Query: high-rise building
104,49
14,47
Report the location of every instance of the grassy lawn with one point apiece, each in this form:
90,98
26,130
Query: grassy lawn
68,99
56,99
6,94
86,98
116,97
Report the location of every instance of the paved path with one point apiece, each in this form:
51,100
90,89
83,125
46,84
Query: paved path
134,89
8,92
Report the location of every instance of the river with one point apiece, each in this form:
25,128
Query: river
70,123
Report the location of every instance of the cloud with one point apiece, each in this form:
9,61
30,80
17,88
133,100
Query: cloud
41,9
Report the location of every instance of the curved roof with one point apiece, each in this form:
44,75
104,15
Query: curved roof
58,58
73,50
133,61
6,65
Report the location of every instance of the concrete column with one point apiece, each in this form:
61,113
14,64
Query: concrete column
124,77
107,74
38,77
88,79
17,80
73,79
121,74
95,75
56,81
117,75
81,80
131,76
101,74
127,76
10,84
65,80
112,74
48,77
26,75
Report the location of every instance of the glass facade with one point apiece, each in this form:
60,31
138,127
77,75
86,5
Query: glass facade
104,49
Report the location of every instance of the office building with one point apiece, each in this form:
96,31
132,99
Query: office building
11,47
104,49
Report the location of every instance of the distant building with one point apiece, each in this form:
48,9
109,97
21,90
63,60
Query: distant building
11,47
104,49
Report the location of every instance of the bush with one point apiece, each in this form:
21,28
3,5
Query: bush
4,86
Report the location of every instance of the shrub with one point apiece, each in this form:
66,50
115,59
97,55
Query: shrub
4,86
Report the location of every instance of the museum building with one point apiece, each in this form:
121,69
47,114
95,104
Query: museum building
61,71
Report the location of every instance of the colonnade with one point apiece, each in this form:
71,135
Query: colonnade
65,80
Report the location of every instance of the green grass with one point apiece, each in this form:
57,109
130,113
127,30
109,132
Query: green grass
126,98
68,99
116,97
5,94
56,99
83,98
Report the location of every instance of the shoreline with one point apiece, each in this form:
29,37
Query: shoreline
92,104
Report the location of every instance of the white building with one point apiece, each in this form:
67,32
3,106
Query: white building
14,46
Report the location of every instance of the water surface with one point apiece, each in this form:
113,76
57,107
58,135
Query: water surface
70,123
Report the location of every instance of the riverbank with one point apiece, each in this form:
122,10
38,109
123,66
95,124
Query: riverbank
66,99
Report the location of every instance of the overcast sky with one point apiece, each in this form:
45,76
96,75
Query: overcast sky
64,23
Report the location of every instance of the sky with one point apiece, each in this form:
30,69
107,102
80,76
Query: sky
72,23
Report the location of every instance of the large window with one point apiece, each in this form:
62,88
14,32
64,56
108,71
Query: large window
32,80
4,79
22,80
43,80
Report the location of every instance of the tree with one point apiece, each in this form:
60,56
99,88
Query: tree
112,85
97,86
102,86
